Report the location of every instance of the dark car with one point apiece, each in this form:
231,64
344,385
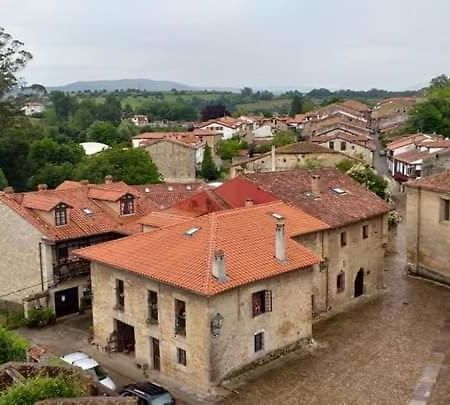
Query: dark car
148,393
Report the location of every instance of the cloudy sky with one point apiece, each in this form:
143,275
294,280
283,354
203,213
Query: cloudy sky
395,44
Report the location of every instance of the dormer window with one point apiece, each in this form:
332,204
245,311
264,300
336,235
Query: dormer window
61,215
127,205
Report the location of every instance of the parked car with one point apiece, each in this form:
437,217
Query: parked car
148,393
86,363
382,152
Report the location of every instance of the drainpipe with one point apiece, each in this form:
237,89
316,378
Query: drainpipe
419,202
40,266
326,274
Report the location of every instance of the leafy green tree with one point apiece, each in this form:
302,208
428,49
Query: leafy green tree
209,170
63,103
345,165
246,92
47,150
12,346
370,179
104,132
229,148
14,159
43,387
297,105
52,175
440,81
3,181
13,58
284,138
432,115
133,166
110,110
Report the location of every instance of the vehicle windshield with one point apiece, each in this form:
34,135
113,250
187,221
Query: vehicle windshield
164,399
100,373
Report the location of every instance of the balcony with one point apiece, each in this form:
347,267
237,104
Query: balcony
69,268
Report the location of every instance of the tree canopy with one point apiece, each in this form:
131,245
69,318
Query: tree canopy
209,170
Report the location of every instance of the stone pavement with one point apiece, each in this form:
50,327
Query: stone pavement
373,355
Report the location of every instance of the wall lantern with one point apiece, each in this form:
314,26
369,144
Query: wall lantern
216,324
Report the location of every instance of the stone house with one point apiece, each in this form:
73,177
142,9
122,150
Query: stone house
40,231
427,227
227,126
392,113
177,161
199,300
288,157
357,146
353,247
437,162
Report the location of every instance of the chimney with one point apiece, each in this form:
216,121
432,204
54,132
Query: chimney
42,187
218,266
84,182
280,236
274,166
315,189
108,179
8,190
249,202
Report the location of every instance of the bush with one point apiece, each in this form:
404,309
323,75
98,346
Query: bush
39,388
12,347
40,317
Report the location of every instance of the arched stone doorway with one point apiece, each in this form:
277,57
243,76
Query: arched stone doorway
359,283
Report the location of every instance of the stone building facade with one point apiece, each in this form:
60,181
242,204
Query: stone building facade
427,227
199,300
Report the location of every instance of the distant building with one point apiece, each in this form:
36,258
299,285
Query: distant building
392,113
427,227
139,120
227,126
33,108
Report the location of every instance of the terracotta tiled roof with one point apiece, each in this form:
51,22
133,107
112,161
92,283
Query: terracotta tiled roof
361,140
228,122
355,105
87,216
165,195
202,203
191,142
437,182
161,219
406,140
246,236
355,204
411,156
343,126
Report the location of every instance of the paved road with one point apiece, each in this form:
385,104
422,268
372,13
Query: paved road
379,162
375,355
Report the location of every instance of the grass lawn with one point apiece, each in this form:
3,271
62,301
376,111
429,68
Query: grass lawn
265,105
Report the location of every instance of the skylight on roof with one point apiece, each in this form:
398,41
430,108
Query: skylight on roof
147,190
192,231
170,188
88,211
339,190
277,216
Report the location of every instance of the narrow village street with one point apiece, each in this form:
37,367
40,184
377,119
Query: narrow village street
374,354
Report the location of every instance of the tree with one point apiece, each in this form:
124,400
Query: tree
296,106
209,170
133,166
63,103
13,58
12,347
213,111
110,110
3,181
14,159
246,92
52,175
439,81
432,115
370,179
228,148
284,138
47,150
104,132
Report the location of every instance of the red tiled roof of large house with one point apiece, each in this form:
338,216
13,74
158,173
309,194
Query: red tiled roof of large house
165,195
355,105
406,140
89,212
182,255
341,200
228,122
177,135
436,182
161,219
361,140
411,156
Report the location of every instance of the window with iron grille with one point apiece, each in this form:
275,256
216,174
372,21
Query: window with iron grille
259,342
61,215
181,356
120,294
152,299
261,302
127,205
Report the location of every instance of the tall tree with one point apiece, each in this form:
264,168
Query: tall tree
3,181
214,111
296,105
209,170
13,58
104,132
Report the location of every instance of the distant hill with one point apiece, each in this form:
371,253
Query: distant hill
124,84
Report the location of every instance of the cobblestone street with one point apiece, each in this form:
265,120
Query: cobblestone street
374,354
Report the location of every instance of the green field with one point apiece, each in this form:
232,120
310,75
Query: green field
265,105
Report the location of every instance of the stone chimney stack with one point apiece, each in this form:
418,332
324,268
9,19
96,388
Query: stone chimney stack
108,179
218,266
315,189
274,163
8,190
249,202
42,187
280,240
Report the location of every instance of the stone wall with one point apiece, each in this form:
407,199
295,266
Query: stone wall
427,235
175,162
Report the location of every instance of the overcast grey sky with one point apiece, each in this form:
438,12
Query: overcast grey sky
357,44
